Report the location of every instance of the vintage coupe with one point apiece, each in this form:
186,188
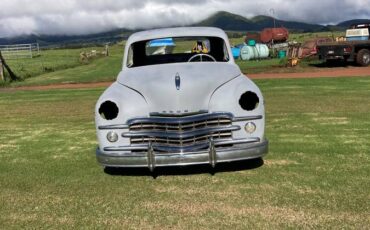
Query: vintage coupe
182,101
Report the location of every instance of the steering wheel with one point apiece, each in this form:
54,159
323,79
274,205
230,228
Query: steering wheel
201,57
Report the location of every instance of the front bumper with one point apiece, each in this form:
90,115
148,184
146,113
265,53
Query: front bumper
211,156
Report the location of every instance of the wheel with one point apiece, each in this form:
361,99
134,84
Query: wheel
201,57
111,170
363,57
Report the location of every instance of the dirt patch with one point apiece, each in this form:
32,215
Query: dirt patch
61,86
333,72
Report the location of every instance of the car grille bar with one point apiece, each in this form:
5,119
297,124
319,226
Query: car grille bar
181,134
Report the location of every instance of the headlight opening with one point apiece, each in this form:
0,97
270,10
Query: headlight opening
249,101
108,110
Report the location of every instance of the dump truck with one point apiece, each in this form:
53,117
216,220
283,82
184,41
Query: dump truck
355,48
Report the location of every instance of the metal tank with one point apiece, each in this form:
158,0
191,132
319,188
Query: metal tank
277,35
259,51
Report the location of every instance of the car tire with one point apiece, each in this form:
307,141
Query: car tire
363,57
111,170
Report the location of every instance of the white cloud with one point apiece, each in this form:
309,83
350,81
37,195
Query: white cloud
81,17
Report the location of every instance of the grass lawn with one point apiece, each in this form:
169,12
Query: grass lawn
316,174
49,60
97,70
302,37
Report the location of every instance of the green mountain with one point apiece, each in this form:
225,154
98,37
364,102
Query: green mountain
347,24
233,22
226,21
69,40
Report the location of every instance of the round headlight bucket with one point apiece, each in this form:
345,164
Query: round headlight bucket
112,136
108,110
249,101
250,127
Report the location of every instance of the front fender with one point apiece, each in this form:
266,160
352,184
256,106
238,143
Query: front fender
130,104
226,98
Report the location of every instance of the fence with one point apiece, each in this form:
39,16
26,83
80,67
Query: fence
20,50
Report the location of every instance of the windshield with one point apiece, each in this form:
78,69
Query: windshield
176,50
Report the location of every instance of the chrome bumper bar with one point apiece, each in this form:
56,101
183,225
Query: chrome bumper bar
123,157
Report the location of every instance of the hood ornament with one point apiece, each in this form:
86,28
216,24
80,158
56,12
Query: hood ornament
177,81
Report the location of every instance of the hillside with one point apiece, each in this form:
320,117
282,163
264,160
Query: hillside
68,40
233,22
347,24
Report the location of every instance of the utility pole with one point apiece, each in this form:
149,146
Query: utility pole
272,12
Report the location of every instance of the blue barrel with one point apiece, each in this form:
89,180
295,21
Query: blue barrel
236,52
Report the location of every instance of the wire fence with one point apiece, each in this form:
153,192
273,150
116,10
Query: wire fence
19,51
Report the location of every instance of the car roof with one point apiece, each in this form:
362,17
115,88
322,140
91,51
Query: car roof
177,32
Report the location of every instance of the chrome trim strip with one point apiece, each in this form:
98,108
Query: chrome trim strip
183,148
184,134
180,149
179,120
237,141
176,119
105,127
154,114
127,148
247,118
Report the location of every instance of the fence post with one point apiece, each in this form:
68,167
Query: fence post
31,50
106,49
2,77
13,77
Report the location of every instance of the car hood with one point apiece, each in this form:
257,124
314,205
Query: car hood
196,83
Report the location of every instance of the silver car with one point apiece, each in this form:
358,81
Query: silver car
179,100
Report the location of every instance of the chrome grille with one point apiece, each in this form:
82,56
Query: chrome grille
180,134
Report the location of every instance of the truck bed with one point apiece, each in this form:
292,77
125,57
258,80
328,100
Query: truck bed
344,43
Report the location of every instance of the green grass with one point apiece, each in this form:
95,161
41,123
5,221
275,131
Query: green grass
301,37
316,174
259,66
97,70
49,60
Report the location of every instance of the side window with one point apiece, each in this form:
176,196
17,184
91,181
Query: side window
226,53
130,57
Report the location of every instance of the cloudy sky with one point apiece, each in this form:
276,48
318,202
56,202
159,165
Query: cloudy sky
19,17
